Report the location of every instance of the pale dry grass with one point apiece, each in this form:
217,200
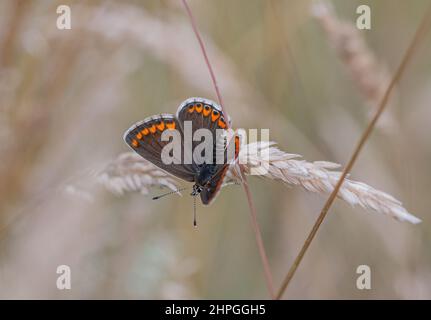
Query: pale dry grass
318,177
130,172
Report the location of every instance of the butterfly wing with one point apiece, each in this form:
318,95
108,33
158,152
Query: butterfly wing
211,190
203,113
144,138
209,193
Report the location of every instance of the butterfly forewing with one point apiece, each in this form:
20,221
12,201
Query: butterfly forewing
145,138
203,114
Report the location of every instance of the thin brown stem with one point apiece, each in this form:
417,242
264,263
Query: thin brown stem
204,53
259,241
255,224
399,72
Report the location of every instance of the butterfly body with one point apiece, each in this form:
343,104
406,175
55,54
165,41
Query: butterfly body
145,138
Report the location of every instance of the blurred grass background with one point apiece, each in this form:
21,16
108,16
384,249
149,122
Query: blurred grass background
67,96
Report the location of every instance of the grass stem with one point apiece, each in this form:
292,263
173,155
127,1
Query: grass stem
363,139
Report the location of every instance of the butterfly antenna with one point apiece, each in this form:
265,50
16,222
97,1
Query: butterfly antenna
169,193
194,212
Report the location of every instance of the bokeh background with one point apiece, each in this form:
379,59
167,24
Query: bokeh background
67,96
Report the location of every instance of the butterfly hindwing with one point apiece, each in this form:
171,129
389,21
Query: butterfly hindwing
210,191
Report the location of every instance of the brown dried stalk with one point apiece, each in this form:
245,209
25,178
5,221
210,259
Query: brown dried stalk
261,247
399,72
204,53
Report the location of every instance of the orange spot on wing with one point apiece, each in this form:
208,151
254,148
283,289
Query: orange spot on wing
207,110
221,123
170,125
236,146
145,131
139,136
153,128
198,107
215,115
191,109
161,126
135,143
